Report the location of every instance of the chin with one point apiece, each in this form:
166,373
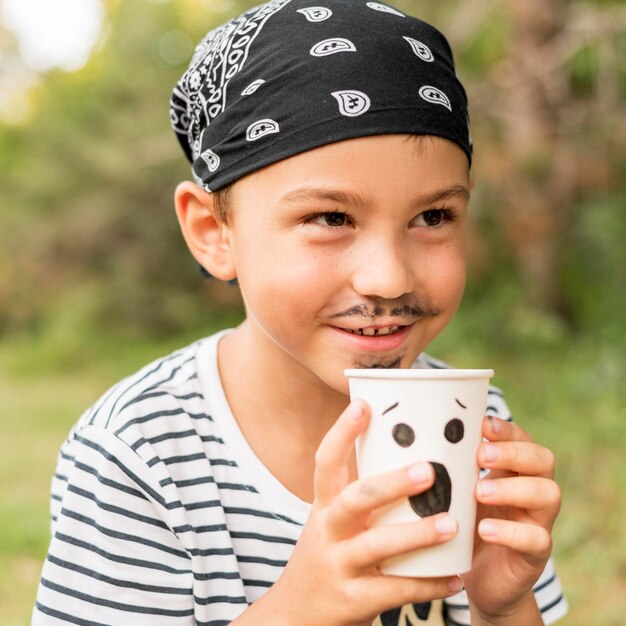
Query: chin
338,382
379,363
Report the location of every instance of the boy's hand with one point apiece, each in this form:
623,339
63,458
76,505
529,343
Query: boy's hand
332,577
518,502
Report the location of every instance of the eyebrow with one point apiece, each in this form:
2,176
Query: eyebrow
393,406
459,403
353,199
333,195
455,191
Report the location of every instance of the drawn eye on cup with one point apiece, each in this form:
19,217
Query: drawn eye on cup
403,435
454,430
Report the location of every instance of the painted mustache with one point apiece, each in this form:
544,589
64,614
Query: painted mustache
405,309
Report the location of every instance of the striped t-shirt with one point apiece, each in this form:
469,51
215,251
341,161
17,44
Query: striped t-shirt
162,514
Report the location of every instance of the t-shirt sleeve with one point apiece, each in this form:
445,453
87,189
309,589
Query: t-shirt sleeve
496,404
114,557
547,589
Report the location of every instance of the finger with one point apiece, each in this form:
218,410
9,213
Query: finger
529,539
354,504
389,592
496,429
521,457
539,495
371,547
331,471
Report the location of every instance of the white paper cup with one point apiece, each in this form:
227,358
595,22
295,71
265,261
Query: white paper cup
432,415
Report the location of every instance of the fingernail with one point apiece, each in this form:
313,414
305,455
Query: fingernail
420,472
455,584
355,410
495,424
489,453
445,525
486,488
487,528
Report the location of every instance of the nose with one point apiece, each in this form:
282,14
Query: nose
382,269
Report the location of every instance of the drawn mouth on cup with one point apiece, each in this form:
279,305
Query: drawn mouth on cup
436,499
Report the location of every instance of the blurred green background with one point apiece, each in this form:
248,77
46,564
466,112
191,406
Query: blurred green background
95,279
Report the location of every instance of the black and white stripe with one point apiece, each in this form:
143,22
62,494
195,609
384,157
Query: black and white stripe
161,513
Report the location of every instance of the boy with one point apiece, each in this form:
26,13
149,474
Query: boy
330,149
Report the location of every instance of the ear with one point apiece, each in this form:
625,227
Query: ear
207,237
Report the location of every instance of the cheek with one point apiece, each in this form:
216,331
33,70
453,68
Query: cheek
443,275
283,281
454,281
442,279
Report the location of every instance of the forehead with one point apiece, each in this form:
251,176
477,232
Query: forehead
373,167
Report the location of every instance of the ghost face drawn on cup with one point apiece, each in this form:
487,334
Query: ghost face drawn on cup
437,499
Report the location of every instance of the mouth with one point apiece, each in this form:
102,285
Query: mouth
436,499
374,339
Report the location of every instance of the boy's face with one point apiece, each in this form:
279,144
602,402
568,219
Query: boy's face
352,254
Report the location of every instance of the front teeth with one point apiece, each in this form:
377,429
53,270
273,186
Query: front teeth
374,332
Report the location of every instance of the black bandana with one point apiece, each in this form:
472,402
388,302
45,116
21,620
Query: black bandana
292,75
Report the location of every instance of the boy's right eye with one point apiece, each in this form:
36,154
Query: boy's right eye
327,218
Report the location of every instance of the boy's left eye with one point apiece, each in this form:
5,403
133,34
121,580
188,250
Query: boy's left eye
328,218
432,217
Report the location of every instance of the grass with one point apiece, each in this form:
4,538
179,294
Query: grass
568,394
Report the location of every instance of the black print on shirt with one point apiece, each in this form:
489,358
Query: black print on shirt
393,616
